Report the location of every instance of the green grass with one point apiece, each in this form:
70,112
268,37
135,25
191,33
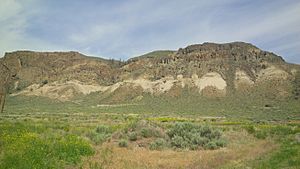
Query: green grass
29,146
187,106
42,133
288,154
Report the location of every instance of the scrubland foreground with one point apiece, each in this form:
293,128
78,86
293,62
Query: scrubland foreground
206,105
32,139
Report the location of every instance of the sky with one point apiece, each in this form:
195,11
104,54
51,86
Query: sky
121,29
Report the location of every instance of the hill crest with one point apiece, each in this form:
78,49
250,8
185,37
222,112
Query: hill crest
213,70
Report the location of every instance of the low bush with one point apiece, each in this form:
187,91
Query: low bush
100,134
98,138
103,129
191,136
132,136
211,145
123,143
158,144
179,142
148,132
221,143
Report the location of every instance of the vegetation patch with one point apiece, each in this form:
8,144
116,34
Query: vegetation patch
158,144
288,154
123,143
27,147
180,135
169,119
192,136
100,134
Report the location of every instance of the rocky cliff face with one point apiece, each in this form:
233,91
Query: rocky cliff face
212,70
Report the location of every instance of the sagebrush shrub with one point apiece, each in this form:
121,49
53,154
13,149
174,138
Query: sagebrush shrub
123,143
192,136
158,144
100,134
149,132
102,129
211,145
132,136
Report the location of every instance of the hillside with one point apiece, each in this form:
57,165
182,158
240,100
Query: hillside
165,109
209,69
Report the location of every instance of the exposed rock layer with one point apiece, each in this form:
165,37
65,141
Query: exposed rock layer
212,69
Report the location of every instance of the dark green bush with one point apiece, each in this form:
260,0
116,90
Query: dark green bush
221,143
123,143
132,136
211,145
158,144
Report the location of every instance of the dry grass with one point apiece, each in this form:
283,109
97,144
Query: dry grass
242,147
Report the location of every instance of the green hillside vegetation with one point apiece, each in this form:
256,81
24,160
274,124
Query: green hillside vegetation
43,138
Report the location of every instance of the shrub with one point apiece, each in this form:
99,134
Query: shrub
98,138
192,136
198,140
221,143
100,134
158,144
123,143
148,132
179,142
261,134
211,145
102,129
132,136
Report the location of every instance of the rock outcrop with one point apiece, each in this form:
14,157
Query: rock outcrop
213,70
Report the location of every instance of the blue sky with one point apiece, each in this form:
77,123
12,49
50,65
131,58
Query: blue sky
126,28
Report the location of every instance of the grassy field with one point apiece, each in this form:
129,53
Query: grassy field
42,133
187,106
